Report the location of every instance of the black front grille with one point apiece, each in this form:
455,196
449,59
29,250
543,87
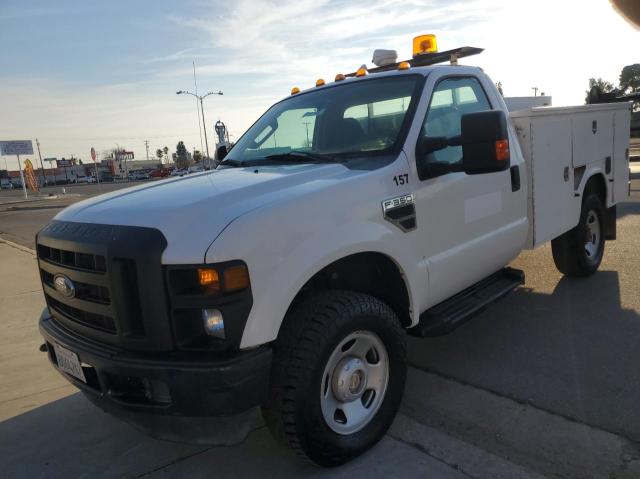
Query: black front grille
92,320
116,280
88,292
72,259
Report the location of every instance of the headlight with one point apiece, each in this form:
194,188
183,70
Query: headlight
209,304
209,280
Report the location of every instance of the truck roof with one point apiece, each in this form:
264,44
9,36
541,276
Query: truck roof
425,71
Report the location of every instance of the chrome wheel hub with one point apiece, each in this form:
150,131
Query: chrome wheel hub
592,239
354,382
349,379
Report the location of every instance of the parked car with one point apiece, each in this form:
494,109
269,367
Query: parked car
91,179
138,175
177,172
6,184
159,173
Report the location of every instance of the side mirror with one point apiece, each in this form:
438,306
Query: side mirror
221,152
485,142
429,144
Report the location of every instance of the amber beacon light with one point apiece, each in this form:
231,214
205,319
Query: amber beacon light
424,44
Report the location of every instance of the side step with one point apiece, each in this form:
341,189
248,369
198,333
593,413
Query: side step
453,312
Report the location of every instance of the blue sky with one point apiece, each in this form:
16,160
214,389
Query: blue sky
77,74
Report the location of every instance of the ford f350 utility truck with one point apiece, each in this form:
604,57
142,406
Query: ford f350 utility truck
385,203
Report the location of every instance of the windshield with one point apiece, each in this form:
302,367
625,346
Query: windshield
365,116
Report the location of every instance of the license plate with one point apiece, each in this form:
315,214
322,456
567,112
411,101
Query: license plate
69,363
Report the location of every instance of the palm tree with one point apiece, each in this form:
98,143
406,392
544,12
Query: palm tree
166,152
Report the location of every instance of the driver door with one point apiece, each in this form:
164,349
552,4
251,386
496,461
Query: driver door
469,223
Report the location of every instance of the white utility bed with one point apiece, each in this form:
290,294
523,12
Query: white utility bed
562,147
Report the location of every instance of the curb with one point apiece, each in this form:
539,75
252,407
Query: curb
24,249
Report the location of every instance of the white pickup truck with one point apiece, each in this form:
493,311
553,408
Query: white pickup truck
389,201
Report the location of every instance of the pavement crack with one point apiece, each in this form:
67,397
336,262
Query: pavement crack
424,450
171,463
185,457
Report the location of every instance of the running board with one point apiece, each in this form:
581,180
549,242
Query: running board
453,312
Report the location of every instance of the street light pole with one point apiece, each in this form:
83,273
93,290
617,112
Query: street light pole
201,98
204,127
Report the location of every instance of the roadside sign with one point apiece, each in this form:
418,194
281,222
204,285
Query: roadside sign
19,147
124,155
63,163
93,154
29,176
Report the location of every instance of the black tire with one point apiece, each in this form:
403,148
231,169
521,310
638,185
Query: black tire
311,331
569,252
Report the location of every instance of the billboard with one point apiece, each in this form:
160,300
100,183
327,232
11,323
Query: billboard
18,147
63,163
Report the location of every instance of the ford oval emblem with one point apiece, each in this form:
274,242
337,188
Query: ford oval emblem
64,286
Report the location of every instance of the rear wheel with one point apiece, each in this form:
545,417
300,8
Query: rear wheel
338,376
579,251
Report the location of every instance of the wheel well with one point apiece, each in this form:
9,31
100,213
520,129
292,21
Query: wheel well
596,184
371,273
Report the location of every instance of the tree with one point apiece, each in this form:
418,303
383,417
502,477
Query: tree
499,87
182,159
166,152
630,78
602,85
159,153
197,156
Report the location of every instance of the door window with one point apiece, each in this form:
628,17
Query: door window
452,98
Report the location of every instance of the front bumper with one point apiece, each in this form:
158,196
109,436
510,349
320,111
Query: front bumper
194,398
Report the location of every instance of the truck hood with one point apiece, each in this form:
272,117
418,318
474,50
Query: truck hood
193,210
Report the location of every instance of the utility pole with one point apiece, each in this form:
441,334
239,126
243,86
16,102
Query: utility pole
535,90
44,175
146,145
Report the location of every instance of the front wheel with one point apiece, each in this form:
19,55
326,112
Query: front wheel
579,251
338,376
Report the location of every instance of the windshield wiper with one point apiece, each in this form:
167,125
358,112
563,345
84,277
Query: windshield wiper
303,156
231,162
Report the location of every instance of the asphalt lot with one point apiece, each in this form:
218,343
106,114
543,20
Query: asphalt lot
543,384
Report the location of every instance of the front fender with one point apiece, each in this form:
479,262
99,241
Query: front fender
285,245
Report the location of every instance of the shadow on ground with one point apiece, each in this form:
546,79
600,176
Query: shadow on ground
573,352
72,438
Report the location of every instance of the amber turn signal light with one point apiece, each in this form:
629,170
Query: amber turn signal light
207,276
502,150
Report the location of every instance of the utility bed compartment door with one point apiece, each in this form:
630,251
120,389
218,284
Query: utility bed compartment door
592,137
550,178
622,125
